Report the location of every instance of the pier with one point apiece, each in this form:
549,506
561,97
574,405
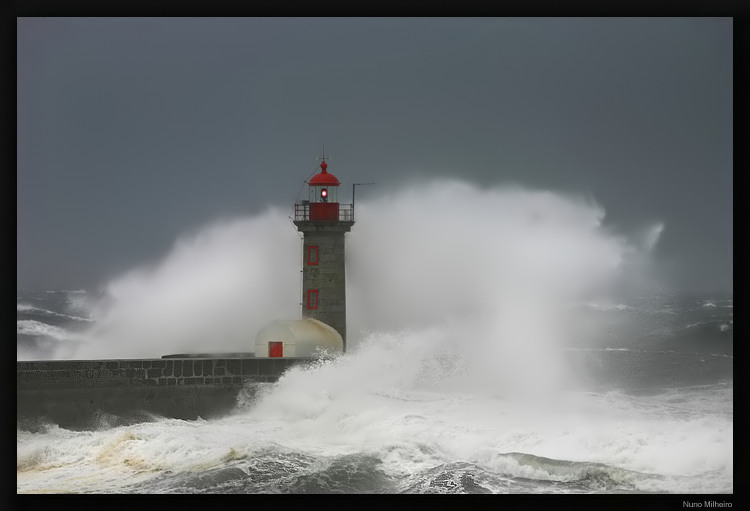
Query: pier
77,393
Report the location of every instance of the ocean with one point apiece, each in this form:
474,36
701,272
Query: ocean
639,400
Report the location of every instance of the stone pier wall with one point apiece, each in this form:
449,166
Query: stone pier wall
81,393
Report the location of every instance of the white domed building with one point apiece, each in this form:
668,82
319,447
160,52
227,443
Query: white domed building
306,337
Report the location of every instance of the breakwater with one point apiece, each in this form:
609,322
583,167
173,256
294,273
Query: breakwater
82,393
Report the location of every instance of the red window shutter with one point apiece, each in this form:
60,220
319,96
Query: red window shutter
312,298
312,255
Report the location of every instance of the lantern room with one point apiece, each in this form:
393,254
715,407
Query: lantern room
324,195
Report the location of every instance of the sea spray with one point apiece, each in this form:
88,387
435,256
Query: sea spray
405,411
500,263
212,293
387,399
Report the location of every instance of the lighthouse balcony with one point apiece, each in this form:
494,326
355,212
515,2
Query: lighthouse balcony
305,211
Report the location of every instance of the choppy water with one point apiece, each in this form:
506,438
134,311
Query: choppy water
647,408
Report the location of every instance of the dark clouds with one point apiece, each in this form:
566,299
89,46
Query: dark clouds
134,131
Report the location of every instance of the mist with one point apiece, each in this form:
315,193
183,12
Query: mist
499,272
210,294
488,275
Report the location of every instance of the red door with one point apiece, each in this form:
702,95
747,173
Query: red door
275,349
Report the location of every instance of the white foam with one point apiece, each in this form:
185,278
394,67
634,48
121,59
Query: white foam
24,307
32,327
378,403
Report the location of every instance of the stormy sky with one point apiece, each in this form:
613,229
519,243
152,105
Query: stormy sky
134,131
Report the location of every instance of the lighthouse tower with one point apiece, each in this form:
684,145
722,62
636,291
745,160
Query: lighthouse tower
323,222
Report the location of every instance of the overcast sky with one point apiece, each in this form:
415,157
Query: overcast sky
134,131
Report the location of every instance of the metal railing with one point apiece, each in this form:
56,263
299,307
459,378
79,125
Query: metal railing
302,211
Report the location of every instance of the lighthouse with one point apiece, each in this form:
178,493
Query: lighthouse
324,221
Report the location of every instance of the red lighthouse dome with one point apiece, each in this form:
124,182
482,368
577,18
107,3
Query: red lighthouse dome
324,178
